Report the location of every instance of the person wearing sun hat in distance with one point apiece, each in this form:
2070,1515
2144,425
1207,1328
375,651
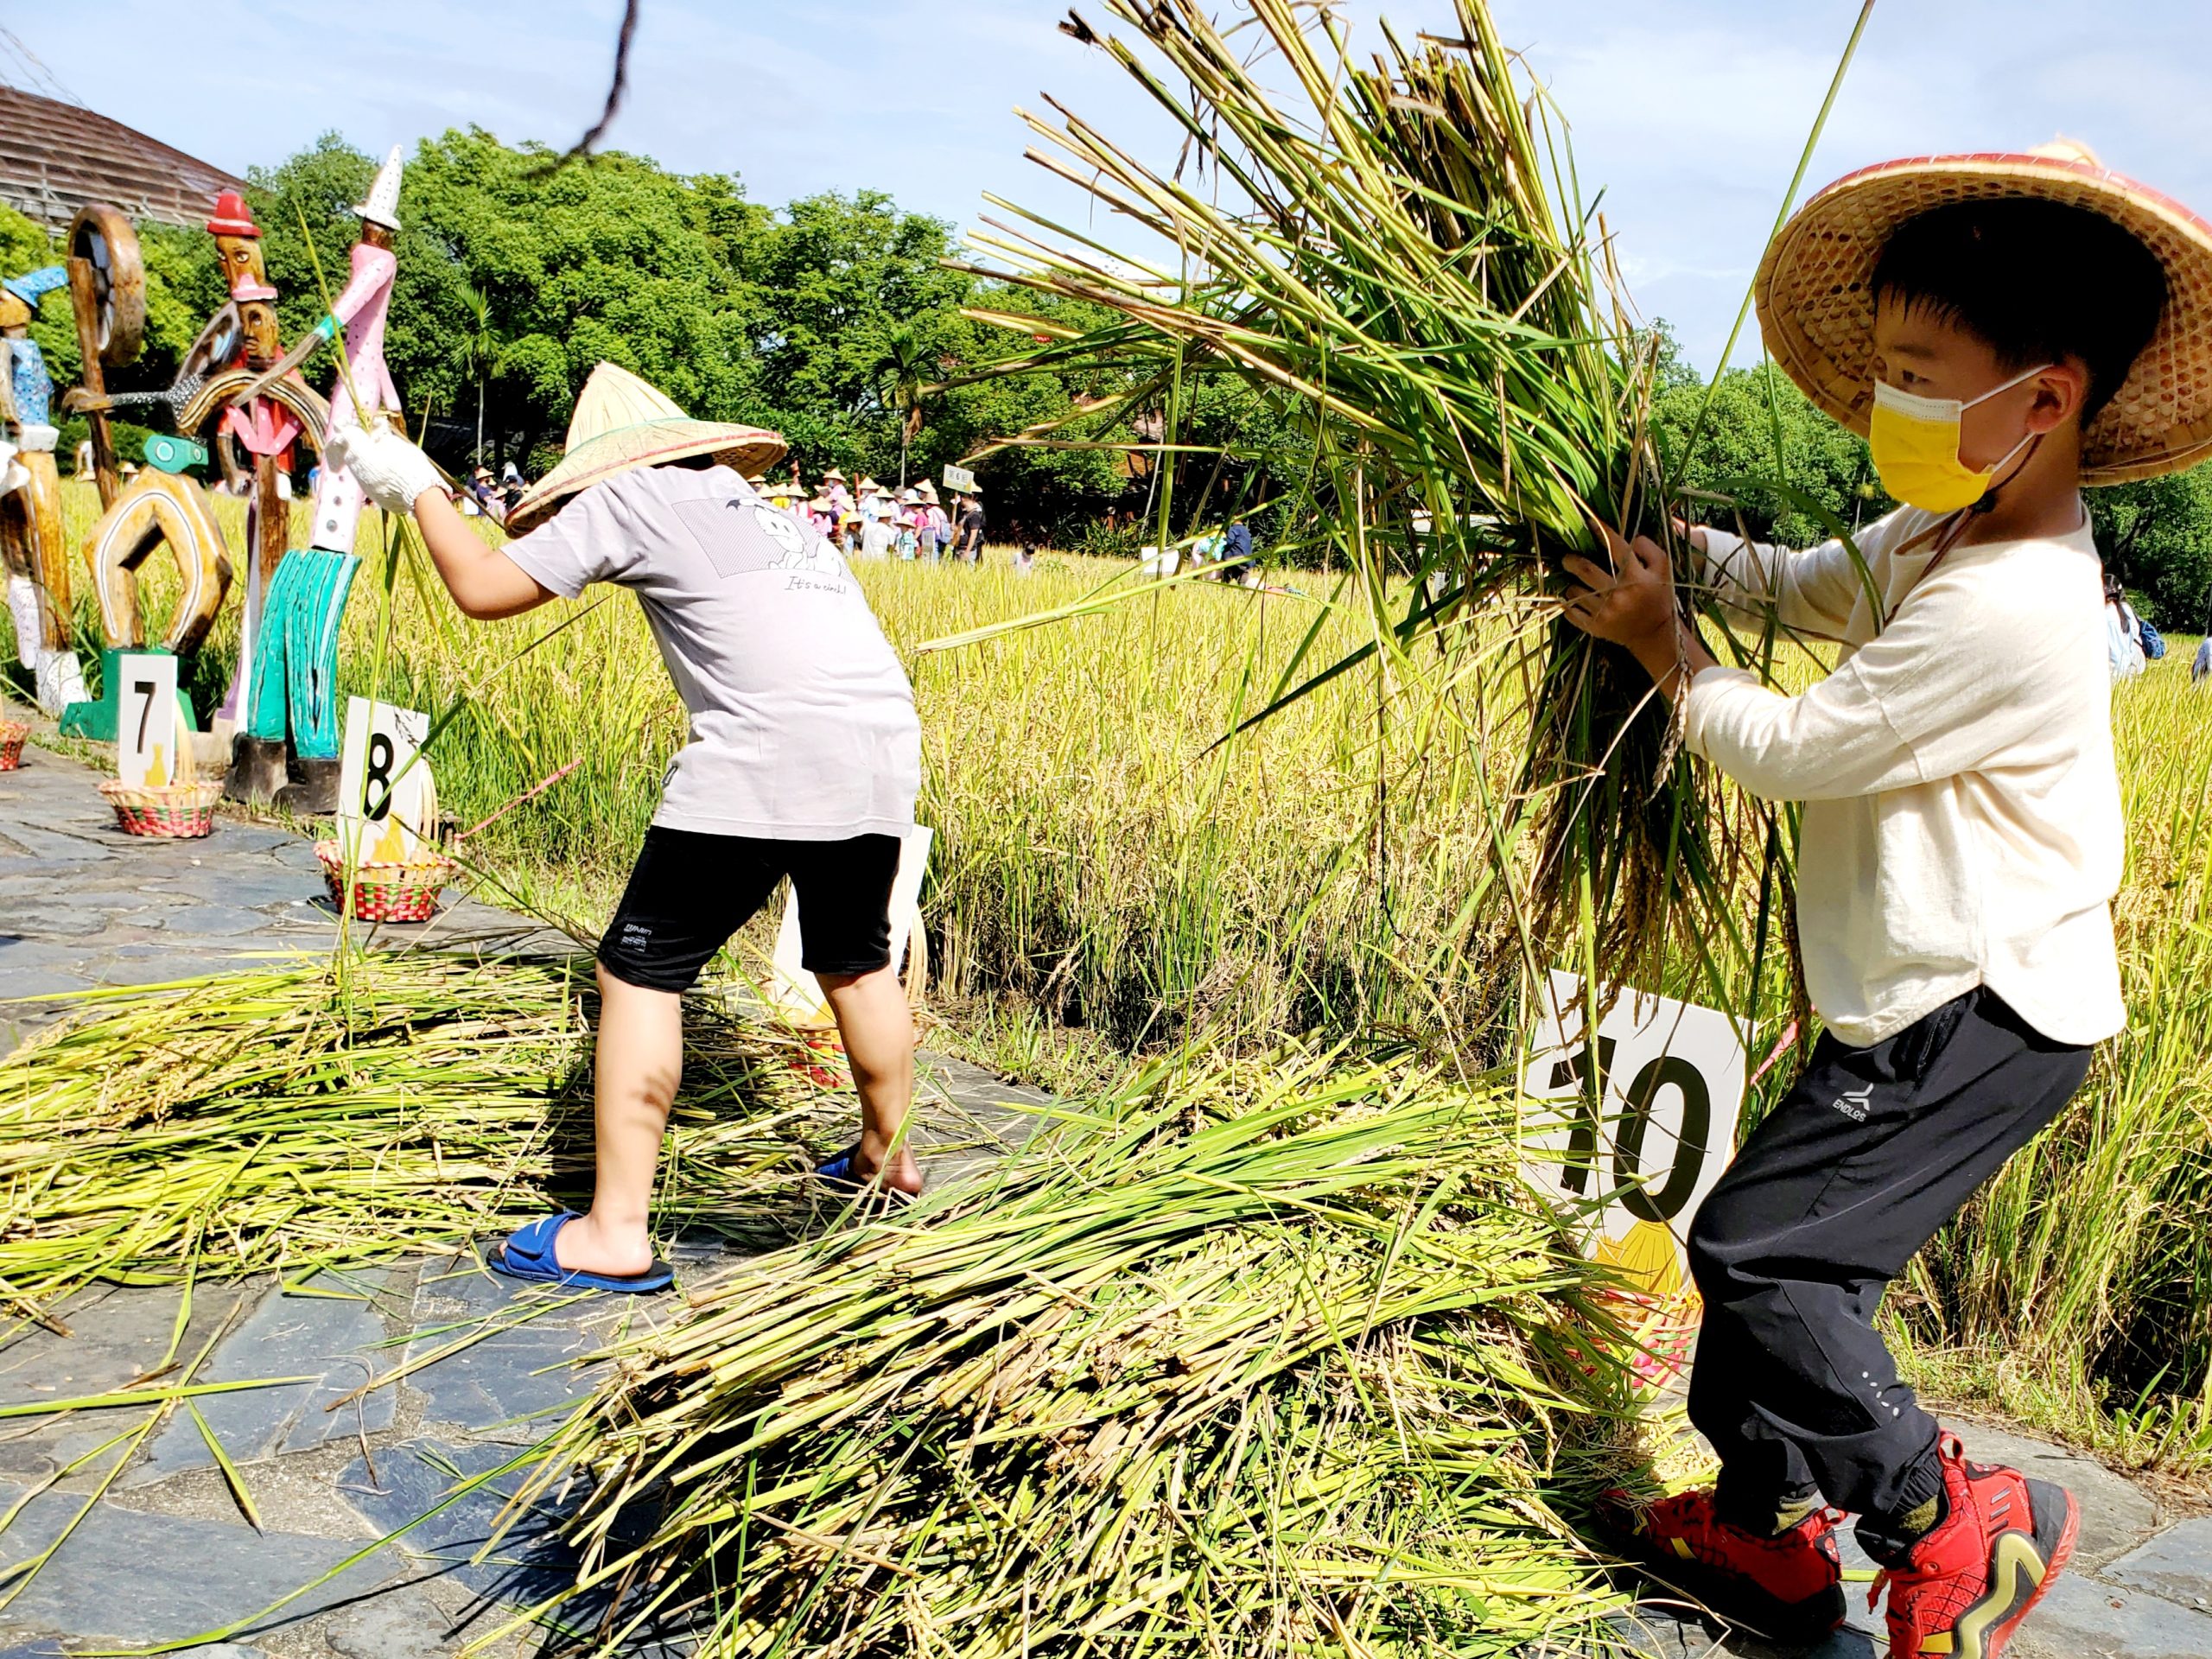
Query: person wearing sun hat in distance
804,760
2006,328
937,532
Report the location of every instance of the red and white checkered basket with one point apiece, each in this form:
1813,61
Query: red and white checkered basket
171,811
384,892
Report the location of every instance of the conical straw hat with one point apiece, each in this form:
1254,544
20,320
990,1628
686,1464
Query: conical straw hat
622,421
1816,294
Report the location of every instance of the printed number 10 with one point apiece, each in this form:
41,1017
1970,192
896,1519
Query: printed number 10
1673,1196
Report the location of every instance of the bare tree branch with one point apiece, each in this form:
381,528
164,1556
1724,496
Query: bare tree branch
583,146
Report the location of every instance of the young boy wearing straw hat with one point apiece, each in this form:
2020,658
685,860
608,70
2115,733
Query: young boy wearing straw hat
2006,328
804,760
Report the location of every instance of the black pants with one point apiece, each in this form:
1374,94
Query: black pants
690,891
1872,1152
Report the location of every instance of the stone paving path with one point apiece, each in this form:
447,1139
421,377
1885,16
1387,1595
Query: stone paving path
166,1554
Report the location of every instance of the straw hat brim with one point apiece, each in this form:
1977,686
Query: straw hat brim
646,443
1816,296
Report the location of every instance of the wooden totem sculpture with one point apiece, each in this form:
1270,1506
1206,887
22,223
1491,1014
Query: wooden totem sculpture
30,499
160,507
293,685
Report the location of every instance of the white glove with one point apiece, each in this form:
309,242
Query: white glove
391,472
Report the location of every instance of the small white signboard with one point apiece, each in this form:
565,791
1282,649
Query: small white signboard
387,802
795,994
958,478
1663,1126
149,735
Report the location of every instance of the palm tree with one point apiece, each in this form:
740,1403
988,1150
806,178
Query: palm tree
905,365
481,342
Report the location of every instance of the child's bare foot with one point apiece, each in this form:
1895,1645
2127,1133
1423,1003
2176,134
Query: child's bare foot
898,1172
586,1246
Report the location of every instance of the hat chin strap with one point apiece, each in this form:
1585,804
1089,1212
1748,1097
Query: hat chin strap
2025,448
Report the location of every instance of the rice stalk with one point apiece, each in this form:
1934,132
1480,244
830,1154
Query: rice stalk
1247,1356
1398,254
295,1118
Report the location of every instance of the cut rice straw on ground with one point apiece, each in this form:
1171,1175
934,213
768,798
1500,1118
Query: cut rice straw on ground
1247,1356
315,1117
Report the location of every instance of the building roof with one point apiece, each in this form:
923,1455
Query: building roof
54,157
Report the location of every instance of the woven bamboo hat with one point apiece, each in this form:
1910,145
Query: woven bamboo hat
1816,294
622,421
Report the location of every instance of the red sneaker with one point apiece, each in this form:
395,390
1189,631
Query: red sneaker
1963,1589
1788,1588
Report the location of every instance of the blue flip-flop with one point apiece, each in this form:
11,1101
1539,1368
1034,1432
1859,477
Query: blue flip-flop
528,1254
838,1173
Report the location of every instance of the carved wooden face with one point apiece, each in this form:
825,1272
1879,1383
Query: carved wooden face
241,257
14,315
263,344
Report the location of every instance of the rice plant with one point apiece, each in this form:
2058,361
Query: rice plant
1249,1356
288,1118
1399,255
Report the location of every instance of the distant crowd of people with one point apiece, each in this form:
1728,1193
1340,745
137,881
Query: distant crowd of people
868,520
492,497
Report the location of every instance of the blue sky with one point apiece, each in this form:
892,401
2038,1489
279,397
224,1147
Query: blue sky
1690,112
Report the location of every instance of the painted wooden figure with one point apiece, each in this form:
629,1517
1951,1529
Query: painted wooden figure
158,508
31,548
294,683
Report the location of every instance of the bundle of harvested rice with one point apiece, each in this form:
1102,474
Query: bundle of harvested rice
1396,256
1244,1358
350,1111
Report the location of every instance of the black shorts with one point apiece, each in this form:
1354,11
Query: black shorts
690,892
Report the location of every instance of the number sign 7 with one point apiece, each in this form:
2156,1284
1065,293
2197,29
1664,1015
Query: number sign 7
150,730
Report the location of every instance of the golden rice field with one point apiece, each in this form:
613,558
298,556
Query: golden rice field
1104,881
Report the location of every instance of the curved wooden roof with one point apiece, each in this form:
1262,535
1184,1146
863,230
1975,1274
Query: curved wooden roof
54,157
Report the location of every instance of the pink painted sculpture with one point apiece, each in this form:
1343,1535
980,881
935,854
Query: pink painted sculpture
360,309
292,695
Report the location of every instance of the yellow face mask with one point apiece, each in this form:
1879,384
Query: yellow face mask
1916,444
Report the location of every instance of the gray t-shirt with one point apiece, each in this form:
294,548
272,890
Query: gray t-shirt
803,724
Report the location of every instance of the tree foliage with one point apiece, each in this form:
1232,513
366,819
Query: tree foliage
517,277
1761,432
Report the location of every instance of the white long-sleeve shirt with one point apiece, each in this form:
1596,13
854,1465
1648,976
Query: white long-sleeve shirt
1962,822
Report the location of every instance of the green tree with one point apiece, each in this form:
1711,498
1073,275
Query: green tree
481,341
905,366
2158,536
1759,432
614,258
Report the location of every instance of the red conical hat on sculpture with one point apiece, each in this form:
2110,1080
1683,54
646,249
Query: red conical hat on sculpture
232,216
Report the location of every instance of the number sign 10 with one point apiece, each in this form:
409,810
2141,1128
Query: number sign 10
1638,1152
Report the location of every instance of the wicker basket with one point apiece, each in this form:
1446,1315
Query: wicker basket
12,733
384,892
175,812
